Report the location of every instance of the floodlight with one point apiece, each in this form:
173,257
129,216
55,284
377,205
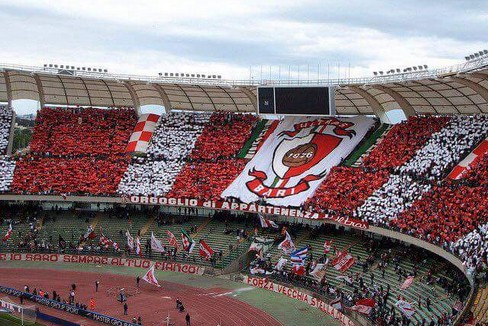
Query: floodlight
381,72
485,51
375,73
477,55
398,70
414,68
481,52
420,67
426,67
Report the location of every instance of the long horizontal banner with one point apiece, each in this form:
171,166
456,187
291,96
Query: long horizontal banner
298,295
66,307
251,208
102,260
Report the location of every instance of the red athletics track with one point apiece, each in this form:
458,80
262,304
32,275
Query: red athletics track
152,304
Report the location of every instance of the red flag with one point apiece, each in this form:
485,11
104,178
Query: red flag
343,261
8,234
298,269
172,239
205,250
327,246
364,306
150,278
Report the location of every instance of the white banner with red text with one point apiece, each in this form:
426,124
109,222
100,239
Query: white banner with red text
104,260
251,208
266,284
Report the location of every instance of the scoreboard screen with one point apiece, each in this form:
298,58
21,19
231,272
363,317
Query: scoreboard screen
296,100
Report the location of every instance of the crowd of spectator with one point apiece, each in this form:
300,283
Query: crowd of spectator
172,142
224,136
447,147
6,115
213,163
76,151
206,180
68,132
397,194
403,140
478,173
445,214
7,165
474,248
345,189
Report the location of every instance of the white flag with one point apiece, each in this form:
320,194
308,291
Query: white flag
150,278
130,240
156,244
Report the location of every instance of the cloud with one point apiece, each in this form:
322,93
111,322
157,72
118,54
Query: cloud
227,37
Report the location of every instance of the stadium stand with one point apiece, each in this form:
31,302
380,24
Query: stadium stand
445,213
7,165
172,141
398,193
403,140
6,115
79,150
345,189
381,268
213,164
447,147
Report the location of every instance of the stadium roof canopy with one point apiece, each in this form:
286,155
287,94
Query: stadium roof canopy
461,89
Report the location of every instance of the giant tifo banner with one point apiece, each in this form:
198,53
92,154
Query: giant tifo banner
143,131
102,260
298,295
296,158
251,208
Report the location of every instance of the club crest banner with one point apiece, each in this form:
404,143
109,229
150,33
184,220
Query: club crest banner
296,158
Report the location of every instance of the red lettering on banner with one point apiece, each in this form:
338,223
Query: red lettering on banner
298,295
3,257
15,257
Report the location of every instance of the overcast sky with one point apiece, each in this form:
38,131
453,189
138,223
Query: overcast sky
229,37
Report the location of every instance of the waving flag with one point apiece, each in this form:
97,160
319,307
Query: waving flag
405,307
150,278
318,272
188,243
172,239
298,270
205,250
138,246
90,233
327,246
337,303
299,256
343,261
287,245
8,234
265,223
407,283
61,242
130,240
280,264
156,244
364,306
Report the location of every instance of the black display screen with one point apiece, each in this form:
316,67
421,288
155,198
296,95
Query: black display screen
296,100
266,100
302,100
